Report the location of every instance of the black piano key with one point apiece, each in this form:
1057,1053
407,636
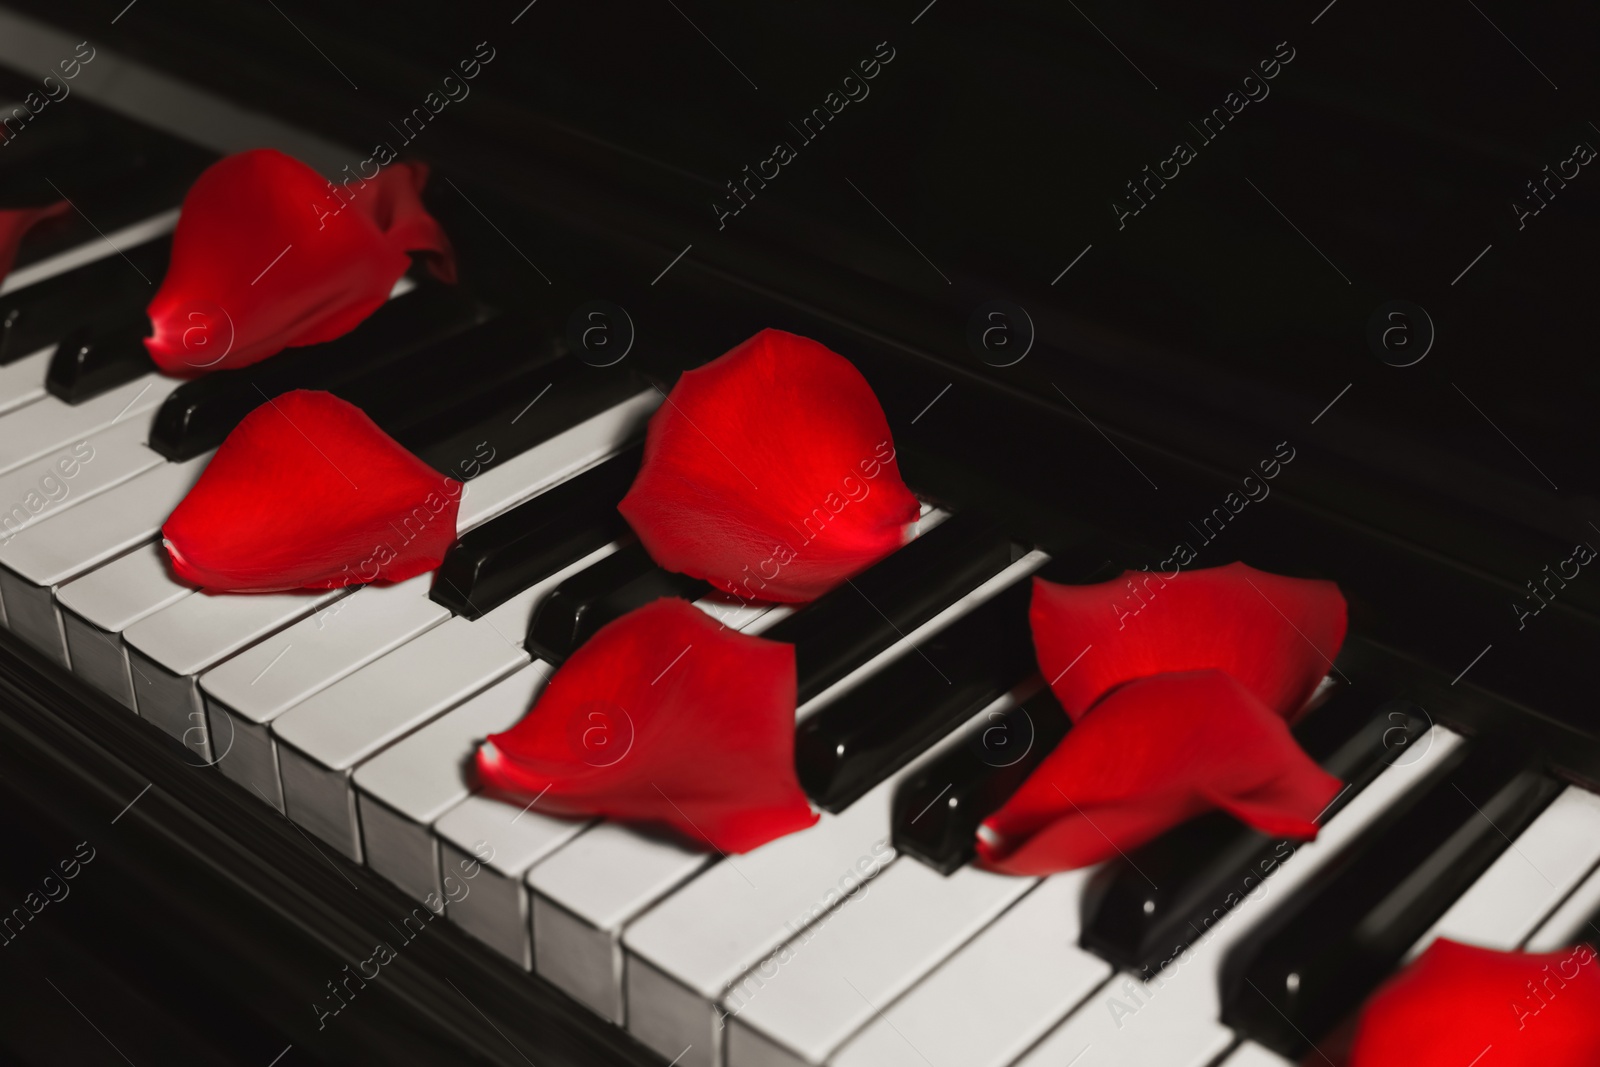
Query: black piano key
94,359
1588,930
507,554
849,625
575,609
424,395
197,415
859,739
110,289
974,778
547,395
937,811
1320,953
1143,909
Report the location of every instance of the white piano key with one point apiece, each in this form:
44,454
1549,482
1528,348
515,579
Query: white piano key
169,649
100,605
994,998
743,615
135,234
805,1000
321,740
1250,1054
1174,1019
245,694
49,424
508,838
1572,922
1545,863
61,478
404,788
687,952
582,896
42,557
55,485
22,382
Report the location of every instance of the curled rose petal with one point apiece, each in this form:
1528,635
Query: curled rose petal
1154,753
770,473
1276,635
1454,1001
664,717
14,226
268,255
308,493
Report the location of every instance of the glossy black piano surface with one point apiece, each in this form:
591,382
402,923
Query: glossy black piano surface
1098,264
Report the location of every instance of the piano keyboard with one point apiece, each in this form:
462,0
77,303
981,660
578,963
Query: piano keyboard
867,940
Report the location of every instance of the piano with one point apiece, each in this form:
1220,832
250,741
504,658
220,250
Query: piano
1106,267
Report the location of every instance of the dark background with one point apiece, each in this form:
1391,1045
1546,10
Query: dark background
996,140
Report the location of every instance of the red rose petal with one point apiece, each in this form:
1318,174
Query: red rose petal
1454,1001
667,718
1154,753
308,493
14,226
1276,635
265,258
770,473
